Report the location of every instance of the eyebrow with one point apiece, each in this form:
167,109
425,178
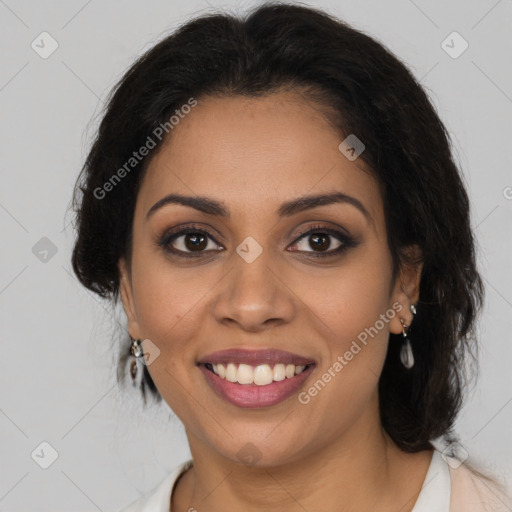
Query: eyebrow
213,207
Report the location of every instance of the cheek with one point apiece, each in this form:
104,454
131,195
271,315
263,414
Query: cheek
168,301
352,299
355,307
354,355
164,288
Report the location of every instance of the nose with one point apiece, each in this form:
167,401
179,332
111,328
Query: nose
254,296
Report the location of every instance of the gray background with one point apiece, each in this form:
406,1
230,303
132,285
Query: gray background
58,353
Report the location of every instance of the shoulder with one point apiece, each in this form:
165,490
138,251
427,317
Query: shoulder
472,490
159,498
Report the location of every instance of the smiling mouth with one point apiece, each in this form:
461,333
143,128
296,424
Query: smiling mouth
261,375
254,379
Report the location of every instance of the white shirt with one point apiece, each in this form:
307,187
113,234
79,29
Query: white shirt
448,487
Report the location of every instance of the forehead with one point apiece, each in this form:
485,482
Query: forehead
256,152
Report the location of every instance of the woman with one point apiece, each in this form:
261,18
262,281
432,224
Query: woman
296,265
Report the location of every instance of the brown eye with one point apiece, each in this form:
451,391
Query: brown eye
189,241
318,241
195,241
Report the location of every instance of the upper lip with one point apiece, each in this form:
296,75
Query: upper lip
255,357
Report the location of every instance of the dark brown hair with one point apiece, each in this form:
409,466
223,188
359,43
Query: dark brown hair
369,92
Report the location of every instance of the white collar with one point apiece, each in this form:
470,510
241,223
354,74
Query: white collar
436,489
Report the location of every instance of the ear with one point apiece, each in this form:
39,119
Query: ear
406,290
125,288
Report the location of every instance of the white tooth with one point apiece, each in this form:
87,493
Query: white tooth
221,371
263,375
231,372
290,370
279,372
299,369
245,375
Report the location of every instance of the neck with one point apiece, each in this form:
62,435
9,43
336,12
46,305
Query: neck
360,470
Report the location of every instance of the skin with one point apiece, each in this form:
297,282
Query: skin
253,155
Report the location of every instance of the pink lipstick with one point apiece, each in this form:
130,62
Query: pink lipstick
255,378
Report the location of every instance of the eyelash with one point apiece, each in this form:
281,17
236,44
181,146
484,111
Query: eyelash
346,241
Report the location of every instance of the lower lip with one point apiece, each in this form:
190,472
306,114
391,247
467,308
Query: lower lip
252,395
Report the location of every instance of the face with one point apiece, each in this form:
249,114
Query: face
246,274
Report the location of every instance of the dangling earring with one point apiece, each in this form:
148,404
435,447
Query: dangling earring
136,348
406,355
134,365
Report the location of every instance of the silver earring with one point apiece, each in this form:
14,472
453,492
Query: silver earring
136,348
134,365
406,355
